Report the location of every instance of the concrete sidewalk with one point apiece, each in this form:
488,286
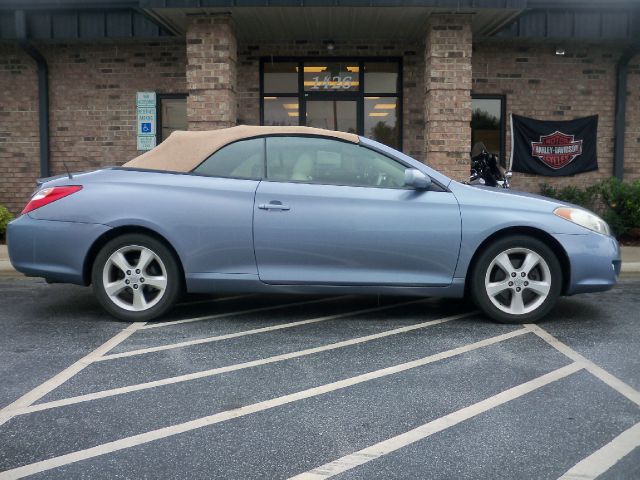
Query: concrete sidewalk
630,260
5,264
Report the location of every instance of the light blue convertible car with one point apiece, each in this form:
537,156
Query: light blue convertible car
303,210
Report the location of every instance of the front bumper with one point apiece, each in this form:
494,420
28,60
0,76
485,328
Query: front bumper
594,259
51,249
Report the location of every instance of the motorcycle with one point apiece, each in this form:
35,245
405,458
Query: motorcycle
486,169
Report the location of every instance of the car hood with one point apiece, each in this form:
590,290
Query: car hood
535,196
517,193
492,196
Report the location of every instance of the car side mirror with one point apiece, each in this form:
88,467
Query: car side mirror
416,179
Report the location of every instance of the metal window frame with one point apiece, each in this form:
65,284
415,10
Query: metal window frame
358,96
159,98
503,120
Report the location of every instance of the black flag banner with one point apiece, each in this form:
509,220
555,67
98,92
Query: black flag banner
554,149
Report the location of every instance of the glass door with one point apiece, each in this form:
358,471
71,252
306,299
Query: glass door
333,114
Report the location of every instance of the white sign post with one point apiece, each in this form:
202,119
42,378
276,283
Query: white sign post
146,120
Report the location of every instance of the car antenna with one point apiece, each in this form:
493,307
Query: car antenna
67,169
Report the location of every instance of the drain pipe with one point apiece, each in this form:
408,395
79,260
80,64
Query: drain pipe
43,89
621,110
622,70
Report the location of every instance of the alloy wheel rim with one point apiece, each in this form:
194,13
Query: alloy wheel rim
518,281
134,278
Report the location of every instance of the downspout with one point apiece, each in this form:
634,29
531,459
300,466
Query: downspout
43,89
622,70
621,111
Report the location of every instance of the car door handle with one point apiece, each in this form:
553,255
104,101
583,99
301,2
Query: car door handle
274,205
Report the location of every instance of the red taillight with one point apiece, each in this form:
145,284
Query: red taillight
49,195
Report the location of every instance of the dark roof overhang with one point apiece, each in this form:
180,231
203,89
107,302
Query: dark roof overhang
283,20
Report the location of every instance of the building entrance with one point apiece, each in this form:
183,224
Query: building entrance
361,96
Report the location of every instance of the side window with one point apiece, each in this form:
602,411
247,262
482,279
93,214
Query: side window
243,159
325,161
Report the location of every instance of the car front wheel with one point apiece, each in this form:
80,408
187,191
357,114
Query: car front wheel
517,279
136,277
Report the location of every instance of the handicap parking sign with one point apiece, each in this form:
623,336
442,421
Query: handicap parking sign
146,121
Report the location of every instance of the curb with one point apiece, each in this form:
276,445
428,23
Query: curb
630,267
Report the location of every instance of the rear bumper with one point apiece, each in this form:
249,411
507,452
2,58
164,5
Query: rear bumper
594,259
51,249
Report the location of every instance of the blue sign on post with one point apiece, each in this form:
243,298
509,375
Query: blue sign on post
146,120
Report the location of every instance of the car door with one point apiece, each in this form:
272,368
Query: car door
217,209
333,212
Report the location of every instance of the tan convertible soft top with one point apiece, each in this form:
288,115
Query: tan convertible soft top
184,151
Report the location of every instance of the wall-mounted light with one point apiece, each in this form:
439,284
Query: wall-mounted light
331,45
559,51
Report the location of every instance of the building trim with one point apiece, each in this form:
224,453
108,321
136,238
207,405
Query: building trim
454,5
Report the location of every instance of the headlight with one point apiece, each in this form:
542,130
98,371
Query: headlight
584,218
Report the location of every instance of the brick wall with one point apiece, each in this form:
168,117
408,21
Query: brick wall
412,87
447,94
92,94
92,106
211,72
539,84
19,150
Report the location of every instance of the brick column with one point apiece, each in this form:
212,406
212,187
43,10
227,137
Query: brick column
211,72
448,94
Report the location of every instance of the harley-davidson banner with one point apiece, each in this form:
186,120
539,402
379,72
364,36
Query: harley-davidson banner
553,148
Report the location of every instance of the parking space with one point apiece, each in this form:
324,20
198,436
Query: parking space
254,386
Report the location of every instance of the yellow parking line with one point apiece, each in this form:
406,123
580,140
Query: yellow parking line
254,331
150,436
392,444
606,457
57,380
232,368
595,370
240,312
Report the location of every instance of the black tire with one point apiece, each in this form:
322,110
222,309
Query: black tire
174,280
478,276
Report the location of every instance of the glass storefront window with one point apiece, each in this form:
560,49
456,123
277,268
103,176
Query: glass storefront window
381,120
330,93
381,77
331,76
280,77
487,124
173,116
282,111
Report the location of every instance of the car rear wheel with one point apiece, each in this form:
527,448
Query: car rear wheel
136,277
517,279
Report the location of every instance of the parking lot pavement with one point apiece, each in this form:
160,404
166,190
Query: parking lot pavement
350,387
